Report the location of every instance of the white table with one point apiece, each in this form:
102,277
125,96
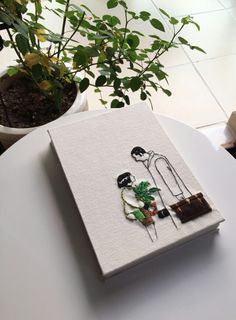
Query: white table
48,270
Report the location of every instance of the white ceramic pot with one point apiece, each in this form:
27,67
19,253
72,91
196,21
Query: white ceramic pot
9,135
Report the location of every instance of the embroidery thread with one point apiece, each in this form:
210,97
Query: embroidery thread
144,207
188,206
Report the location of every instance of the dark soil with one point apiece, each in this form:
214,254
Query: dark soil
27,107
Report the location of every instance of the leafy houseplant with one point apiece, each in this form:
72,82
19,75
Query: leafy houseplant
90,50
143,192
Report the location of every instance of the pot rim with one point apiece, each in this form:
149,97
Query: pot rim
79,104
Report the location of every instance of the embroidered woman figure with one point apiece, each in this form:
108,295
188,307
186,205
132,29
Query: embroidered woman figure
138,202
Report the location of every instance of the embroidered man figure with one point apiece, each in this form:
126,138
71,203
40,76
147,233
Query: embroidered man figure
138,202
173,188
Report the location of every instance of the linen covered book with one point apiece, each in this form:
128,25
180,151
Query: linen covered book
134,192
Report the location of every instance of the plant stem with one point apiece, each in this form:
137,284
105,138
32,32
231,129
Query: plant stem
68,40
63,27
5,111
157,55
126,25
14,47
36,21
150,101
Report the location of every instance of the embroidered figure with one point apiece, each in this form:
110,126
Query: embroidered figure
163,174
138,201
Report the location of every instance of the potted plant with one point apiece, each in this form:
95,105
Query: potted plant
42,85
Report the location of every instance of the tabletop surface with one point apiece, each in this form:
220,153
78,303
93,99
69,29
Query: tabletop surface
48,269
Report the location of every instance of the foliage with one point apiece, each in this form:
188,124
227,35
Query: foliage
144,193
108,46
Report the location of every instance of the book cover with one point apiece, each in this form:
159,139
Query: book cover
134,192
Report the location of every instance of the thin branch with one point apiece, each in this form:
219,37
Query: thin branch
63,28
126,25
15,48
36,21
157,55
72,35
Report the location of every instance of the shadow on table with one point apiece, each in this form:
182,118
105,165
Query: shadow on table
141,281
2,149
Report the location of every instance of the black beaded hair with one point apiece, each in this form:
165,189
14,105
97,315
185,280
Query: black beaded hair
138,151
124,179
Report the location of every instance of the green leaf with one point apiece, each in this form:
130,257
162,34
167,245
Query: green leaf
90,73
154,36
157,24
164,12
110,52
132,56
197,48
112,4
196,25
84,84
91,52
113,20
182,40
161,75
133,41
137,32
80,58
167,92
61,1
6,43
143,96
114,103
133,14
38,7
11,71
87,8
153,190
103,102
37,71
5,18
173,21
135,83
117,104
127,101
21,27
100,81
156,45
144,15
124,30
22,44
119,93
117,83
123,4
189,20
145,184
153,85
